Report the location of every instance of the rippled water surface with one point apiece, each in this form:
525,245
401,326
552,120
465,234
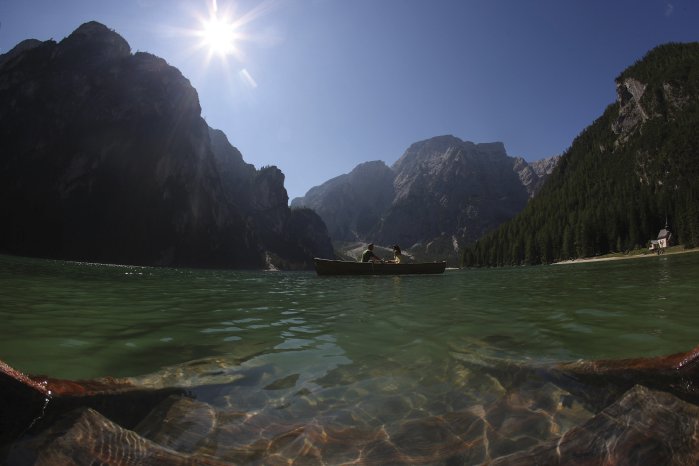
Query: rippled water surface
81,320
358,352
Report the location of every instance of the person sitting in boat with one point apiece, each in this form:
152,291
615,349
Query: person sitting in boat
369,256
397,255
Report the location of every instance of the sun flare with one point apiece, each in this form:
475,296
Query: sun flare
219,36
222,34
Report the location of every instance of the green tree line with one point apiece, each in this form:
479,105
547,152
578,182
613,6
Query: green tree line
613,194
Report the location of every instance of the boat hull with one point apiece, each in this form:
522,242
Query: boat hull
333,267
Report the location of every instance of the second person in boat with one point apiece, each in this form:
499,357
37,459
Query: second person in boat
397,255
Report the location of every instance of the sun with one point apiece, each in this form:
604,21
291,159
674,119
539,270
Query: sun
219,35
223,33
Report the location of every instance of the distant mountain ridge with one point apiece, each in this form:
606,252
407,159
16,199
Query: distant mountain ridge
634,169
440,189
104,157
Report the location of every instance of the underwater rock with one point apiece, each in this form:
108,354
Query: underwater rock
597,383
601,382
643,427
35,402
22,403
532,414
685,362
179,423
93,439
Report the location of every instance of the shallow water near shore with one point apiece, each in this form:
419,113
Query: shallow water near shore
358,353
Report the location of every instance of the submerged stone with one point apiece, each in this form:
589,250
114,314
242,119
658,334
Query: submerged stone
643,427
22,403
90,438
179,423
531,414
601,382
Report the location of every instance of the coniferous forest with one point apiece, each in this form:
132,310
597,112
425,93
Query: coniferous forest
623,177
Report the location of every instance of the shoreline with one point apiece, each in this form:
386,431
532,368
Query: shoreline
671,251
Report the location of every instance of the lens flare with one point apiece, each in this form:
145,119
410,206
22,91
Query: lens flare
219,35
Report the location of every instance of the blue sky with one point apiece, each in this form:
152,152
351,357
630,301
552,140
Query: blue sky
318,86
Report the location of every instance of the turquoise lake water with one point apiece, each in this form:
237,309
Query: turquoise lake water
78,320
361,352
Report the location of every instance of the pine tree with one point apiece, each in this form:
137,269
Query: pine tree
613,193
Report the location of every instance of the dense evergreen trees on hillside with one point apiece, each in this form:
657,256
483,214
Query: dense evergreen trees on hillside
611,193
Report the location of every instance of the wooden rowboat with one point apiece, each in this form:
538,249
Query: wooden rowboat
332,267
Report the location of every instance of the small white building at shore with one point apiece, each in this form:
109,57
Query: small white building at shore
663,241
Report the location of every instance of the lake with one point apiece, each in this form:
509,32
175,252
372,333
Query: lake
363,354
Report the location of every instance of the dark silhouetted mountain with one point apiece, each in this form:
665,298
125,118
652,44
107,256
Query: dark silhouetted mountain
624,176
104,156
441,192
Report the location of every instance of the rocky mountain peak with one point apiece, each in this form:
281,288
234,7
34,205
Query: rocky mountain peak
93,30
269,189
92,43
351,204
370,177
422,151
526,174
533,174
366,168
104,156
545,166
440,191
495,148
18,49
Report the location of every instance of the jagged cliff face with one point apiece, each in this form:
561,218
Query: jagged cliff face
237,176
544,167
352,204
290,238
441,191
105,157
645,107
533,174
448,187
637,105
631,112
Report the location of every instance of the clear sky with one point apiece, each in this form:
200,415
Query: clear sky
318,86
